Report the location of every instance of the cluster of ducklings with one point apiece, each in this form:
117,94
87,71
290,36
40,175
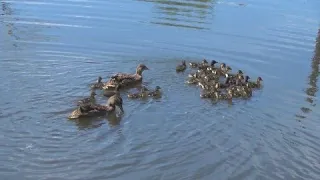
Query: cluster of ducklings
217,82
88,107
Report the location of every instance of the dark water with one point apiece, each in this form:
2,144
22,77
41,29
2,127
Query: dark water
51,50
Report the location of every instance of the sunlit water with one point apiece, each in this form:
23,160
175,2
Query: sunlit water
51,50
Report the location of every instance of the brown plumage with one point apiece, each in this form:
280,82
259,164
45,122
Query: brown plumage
125,79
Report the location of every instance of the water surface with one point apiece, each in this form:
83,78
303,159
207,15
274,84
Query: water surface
51,50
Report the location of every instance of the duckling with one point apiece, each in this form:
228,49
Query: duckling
98,84
110,93
155,93
227,96
142,94
88,100
254,84
226,70
181,67
247,91
195,64
208,94
236,75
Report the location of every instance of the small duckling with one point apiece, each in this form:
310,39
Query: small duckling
108,93
155,93
227,70
181,67
89,100
227,96
143,93
98,84
196,64
254,84
247,91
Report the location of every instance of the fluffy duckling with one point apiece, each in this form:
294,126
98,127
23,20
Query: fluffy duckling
156,92
196,64
88,100
181,67
142,94
98,84
256,84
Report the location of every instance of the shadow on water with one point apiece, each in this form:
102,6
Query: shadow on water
187,14
313,79
95,122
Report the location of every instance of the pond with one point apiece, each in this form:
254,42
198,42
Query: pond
50,52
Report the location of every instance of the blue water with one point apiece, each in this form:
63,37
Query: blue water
51,50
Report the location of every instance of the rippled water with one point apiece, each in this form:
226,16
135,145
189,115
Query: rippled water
51,50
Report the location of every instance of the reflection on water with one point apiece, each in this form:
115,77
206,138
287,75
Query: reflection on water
313,79
7,12
196,14
88,123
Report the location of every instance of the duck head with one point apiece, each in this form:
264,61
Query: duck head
222,66
213,62
259,79
117,88
141,68
204,61
158,88
99,79
247,78
240,72
228,68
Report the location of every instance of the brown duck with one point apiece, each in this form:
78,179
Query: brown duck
125,79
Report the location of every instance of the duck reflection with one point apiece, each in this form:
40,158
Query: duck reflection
186,14
7,13
95,122
313,79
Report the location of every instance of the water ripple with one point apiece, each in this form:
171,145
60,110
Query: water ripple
51,51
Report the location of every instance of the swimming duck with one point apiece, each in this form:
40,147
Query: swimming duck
88,100
90,110
224,96
156,92
181,67
109,93
247,91
116,99
142,94
98,84
125,79
196,64
254,84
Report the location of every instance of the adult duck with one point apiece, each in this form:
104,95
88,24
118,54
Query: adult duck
181,67
90,110
126,79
